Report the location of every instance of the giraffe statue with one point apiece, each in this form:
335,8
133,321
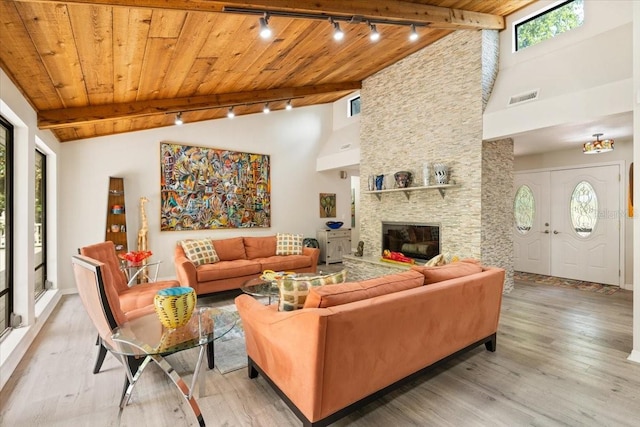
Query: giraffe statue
144,228
142,238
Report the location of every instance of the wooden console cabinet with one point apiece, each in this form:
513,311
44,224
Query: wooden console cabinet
334,244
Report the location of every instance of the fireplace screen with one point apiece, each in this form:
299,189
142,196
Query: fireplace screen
418,241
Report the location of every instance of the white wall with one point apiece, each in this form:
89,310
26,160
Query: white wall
342,148
582,74
571,158
293,139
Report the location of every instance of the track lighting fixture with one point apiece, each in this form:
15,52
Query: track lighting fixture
289,106
266,108
337,32
375,35
265,31
230,113
413,35
178,121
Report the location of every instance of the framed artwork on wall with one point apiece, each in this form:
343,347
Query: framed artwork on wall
204,188
327,205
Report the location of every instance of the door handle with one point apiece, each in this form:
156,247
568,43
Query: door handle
556,232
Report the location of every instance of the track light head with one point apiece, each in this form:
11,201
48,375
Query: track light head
265,31
230,113
413,35
289,106
337,32
178,121
266,108
375,35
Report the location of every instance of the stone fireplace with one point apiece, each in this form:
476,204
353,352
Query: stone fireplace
428,108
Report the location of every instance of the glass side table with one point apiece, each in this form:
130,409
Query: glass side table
143,340
142,273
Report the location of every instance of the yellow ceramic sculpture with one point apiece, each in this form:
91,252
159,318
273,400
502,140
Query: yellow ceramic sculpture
174,306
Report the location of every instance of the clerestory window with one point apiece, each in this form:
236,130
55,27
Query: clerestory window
556,20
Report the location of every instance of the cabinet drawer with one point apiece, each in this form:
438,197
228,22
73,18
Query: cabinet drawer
338,233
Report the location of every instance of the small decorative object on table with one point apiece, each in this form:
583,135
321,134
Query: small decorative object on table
135,258
174,306
396,257
441,173
334,225
403,179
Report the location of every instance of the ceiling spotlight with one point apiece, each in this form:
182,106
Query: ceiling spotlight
230,113
266,108
178,121
289,106
337,32
265,31
413,35
375,35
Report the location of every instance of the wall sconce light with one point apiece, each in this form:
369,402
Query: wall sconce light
343,174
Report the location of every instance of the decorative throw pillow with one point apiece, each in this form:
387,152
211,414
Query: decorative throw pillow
200,252
294,290
288,244
436,261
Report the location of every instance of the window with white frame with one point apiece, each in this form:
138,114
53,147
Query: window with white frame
547,24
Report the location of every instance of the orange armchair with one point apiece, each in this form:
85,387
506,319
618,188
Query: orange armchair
133,302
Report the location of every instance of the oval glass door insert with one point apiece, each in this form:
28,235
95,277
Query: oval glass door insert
584,209
524,207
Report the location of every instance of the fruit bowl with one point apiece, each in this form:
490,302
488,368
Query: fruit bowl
334,225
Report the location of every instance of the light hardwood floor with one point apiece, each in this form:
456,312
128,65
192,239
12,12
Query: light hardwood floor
560,360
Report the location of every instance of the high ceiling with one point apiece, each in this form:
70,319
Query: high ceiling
92,68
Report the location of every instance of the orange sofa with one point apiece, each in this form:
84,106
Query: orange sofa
363,342
241,259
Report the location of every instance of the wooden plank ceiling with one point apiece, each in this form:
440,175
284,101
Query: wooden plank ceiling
93,68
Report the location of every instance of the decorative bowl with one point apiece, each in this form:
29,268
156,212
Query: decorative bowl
174,306
334,225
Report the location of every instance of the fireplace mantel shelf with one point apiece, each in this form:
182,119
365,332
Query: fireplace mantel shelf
440,187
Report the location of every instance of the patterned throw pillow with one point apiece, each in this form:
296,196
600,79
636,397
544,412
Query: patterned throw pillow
200,252
288,244
294,290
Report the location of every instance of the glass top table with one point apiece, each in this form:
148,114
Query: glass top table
143,340
259,287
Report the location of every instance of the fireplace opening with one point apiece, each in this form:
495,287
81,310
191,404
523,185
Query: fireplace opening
420,241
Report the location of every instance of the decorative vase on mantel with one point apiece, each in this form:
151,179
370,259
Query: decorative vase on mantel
441,173
379,182
403,179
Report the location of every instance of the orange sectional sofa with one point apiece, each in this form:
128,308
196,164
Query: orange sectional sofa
241,259
355,341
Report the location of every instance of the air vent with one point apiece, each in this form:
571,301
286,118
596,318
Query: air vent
345,147
524,97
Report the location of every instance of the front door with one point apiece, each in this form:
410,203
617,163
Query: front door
567,223
585,239
532,240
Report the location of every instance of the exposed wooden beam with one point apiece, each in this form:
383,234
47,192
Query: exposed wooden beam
400,11
69,117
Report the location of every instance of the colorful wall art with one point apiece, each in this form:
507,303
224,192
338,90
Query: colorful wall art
327,205
207,188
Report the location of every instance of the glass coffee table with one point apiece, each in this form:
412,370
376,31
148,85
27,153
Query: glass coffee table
259,287
264,288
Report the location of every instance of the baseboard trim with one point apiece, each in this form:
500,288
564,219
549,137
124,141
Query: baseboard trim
634,356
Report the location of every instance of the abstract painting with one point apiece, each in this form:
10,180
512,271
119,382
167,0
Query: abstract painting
204,188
